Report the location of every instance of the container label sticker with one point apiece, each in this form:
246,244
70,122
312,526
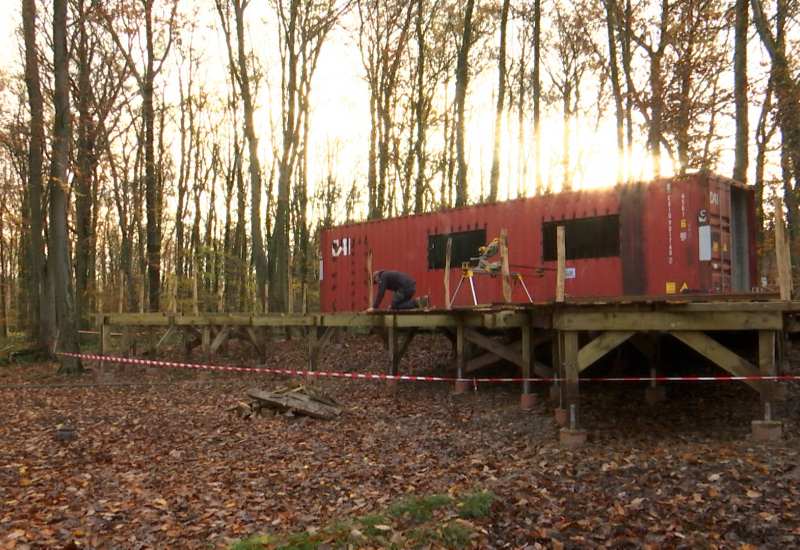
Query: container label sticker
670,288
704,238
341,247
569,272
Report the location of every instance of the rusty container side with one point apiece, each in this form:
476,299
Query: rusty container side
683,234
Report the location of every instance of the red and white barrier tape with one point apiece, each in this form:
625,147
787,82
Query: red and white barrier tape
418,378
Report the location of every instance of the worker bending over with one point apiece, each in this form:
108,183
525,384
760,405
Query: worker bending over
403,286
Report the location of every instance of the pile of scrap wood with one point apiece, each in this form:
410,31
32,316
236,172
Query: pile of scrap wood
296,400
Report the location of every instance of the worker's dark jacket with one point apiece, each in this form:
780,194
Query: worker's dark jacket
403,286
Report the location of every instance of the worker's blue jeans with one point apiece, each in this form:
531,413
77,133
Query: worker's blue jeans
402,298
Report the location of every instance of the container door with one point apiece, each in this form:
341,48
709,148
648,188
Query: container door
740,240
715,237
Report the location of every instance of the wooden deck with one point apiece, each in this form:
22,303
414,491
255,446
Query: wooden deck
578,331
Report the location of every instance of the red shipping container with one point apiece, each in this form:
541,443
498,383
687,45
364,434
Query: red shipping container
685,234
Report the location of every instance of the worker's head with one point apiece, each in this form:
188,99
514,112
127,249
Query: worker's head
376,275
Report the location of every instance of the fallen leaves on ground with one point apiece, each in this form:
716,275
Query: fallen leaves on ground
165,465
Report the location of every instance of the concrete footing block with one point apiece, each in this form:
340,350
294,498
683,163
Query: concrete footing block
572,438
555,392
392,382
463,386
561,417
653,395
529,400
767,430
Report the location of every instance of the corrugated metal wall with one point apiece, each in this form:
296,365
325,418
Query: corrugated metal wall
674,235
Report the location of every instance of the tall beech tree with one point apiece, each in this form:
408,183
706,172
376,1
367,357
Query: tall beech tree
40,287
787,99
462,80
494,177
59,248
140,19
304,26
240,77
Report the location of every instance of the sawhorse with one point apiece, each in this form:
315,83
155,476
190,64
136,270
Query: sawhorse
468,273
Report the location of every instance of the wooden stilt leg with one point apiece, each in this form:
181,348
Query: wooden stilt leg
571,435
768,428
461,359
528,399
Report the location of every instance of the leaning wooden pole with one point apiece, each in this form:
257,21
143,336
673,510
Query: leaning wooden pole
504,265
447,257
782,252
561,251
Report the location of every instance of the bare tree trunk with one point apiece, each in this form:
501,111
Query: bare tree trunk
59,240
763,135
239,73
256,225
654,129
462,78
741,160
279,251
84,171
788,108
152,203
40,289
611,30
494,177
627,57
537,93
421,109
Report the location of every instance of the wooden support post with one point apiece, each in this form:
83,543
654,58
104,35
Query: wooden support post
570,372
767,367
767,429
504,265
220,338
129,340
394,351
571,435
528,398
556,345
318,338
206,343
782,252
561,263
105,337
153,342
461,358
447,257
257,340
